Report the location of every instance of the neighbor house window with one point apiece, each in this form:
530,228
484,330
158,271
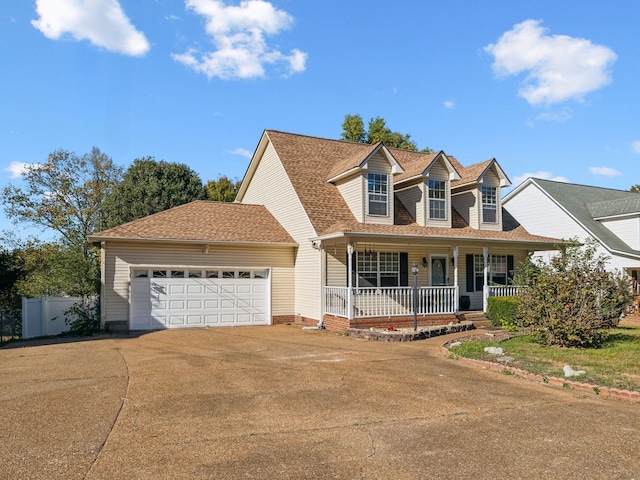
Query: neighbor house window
489,204
378,269
377,193
437,199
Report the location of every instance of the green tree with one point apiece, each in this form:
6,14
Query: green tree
572,300
353,131
65,194
53,269
9,274
150,186
223,189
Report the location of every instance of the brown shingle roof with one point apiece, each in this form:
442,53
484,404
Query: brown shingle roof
204,221
413,163
469,174
308,162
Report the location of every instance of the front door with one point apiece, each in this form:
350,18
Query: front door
438,271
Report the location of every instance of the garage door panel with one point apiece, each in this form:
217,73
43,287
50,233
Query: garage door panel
193,302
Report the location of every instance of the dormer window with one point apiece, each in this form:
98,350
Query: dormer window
437,199
378,196
489,204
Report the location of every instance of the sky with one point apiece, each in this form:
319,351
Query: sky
550,88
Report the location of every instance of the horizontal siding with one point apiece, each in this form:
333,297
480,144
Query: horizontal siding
352,190
412,199
467,205
271,187
626,229
120,256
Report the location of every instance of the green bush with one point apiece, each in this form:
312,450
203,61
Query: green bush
84,317
572,300
503,312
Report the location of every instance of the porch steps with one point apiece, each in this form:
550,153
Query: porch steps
117,327
477,318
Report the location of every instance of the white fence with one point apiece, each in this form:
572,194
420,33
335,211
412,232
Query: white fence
44,316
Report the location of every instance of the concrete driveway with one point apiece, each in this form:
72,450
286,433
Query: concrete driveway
282,403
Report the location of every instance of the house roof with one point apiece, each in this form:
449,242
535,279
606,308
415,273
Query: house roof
310,161
474,173
586,203
204,222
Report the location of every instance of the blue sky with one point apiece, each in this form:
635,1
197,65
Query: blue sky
549,88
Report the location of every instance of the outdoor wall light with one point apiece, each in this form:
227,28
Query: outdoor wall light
424,262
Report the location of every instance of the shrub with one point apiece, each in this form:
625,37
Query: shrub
503,312
84,317
572,300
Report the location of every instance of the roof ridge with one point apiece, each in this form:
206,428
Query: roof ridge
558,182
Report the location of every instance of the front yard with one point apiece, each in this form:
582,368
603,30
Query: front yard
615,365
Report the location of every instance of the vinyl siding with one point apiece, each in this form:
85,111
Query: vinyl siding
467,205
353,191
120,256
540,215
379,164
438,171
626,229
271,187
411,198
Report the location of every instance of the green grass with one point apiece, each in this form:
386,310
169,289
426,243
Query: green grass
616,364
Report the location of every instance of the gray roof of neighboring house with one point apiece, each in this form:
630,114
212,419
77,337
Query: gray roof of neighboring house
586,203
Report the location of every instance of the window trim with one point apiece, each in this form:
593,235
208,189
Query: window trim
442,201
376,183
488,192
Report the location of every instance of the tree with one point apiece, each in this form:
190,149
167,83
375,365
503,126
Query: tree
353,131
65,194
9,298
150,186
223,189
635,188
572,300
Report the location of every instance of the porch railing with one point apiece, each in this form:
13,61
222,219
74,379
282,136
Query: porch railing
390,301
503,290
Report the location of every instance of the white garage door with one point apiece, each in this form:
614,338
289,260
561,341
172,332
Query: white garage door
164,298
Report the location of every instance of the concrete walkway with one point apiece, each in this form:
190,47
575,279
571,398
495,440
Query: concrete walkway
279,402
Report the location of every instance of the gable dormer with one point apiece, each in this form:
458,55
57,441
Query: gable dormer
425,189
365,181
477,195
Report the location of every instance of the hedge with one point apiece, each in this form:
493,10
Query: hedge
503,311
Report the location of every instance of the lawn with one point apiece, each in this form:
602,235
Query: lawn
615,365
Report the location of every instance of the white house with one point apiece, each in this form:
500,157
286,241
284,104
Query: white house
566,210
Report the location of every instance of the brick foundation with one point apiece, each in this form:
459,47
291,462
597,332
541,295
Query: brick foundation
340,324
294,320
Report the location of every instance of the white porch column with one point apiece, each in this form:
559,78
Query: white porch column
485,282
350,249
455,280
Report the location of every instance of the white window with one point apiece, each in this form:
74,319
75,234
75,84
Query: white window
489,204
378,269
497,271
437,199
377,191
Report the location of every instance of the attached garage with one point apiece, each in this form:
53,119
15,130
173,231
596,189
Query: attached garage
176,298
202,264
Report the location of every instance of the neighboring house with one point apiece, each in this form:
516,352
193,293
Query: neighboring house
322,231
566,210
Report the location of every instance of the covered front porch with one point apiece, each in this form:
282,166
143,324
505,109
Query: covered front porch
379,282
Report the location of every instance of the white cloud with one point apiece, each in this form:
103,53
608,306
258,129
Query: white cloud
558,67
636,146
238,34
605,171
541,174
449,104
242,152
102,22
17,169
